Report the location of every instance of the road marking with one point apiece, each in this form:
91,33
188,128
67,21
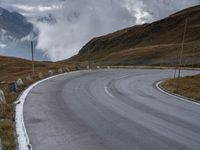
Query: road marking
123,77
106,89
174,95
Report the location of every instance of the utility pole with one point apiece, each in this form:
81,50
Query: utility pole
89,61
33,65
180,56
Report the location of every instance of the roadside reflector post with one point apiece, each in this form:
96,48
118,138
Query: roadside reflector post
13,87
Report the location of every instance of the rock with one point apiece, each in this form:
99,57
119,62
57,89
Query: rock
60,70
20,82
28,78
50,73
66,69
77,68
98,67
40,75
108,67
2,97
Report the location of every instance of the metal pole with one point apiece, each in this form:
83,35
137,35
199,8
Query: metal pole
181,54
32,53
89,62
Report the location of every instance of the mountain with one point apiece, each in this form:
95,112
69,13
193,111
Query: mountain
49,19
13,25
154,43
15,35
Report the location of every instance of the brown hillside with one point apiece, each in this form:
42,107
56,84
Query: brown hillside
12,68
148,44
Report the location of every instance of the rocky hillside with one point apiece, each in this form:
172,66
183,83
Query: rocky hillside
156,43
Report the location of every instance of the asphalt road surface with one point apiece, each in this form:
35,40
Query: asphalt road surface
110,110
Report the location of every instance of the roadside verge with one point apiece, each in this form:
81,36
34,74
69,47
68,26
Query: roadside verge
180,97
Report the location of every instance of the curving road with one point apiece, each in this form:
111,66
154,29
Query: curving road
110,110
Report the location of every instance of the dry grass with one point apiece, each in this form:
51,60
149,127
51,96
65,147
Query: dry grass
189,86
6,132
156,43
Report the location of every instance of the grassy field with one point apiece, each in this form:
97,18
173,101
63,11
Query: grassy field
189,86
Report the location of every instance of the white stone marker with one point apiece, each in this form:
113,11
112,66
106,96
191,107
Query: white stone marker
40,75
60,70
20,82
50,72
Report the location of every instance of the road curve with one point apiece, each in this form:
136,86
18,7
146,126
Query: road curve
110,110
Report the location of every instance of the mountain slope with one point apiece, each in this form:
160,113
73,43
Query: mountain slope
15,35
14,24
148,44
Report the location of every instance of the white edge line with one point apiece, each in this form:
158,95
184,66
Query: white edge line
106,89
175,95
22,136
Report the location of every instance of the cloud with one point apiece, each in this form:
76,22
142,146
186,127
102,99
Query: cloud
40,8
77,21
3,45
137,9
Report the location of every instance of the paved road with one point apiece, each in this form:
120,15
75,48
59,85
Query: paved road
110,110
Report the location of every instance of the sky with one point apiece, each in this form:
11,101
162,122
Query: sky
75,22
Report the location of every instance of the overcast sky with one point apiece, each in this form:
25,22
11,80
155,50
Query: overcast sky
77,21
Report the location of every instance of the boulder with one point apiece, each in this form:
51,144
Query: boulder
66,69
20,82
40,75
28,78
50,73
60,70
